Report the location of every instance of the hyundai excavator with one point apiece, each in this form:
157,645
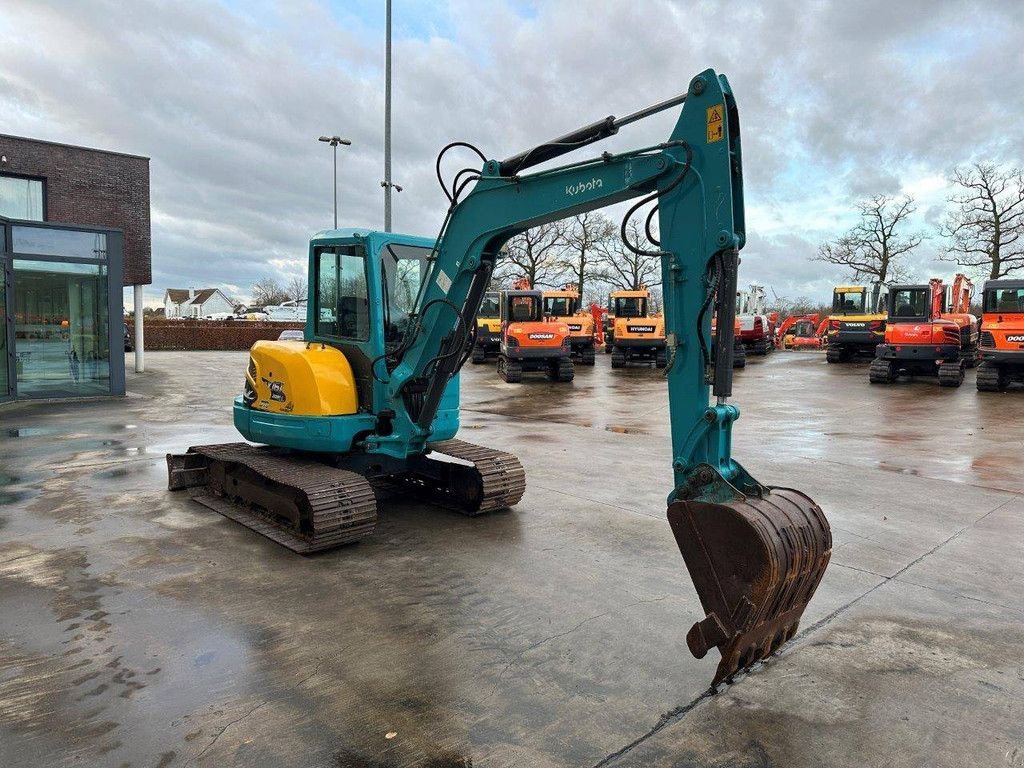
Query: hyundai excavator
372,395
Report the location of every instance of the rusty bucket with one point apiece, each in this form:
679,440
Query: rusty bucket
756,563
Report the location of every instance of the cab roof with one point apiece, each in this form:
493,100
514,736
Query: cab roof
375,239
628,294
850,289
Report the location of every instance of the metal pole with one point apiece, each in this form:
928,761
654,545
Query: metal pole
140,339
335,186
387,118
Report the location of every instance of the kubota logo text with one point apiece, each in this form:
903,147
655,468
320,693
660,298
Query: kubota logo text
571,190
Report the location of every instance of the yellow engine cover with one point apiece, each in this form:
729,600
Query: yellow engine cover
492,324
304,379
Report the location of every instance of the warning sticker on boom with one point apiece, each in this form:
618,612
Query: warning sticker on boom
443,281
716,125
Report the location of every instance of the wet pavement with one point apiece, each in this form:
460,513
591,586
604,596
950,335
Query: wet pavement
140,629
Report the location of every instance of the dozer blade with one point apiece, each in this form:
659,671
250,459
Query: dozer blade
756,563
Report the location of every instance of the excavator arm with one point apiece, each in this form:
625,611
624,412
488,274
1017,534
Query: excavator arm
755,554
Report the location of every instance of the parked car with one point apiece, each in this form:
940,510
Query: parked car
291,334
288,310
219,316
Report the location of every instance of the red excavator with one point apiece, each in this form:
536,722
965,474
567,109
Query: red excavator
930,331
801,332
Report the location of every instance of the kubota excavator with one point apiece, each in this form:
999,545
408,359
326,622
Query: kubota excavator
373,393
1001,344
928,332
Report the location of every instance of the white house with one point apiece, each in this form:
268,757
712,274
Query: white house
196,302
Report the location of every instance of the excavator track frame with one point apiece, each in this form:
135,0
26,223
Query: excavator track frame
310,503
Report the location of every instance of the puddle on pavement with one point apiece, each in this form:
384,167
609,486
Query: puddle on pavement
31,431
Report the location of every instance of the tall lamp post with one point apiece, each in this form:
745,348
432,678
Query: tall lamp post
334,141
387,119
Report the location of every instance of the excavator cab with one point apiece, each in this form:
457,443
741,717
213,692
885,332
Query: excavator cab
528,342
1001,344
563,306
857,323
487,334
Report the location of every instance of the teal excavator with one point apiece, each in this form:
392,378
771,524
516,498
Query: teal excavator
370,398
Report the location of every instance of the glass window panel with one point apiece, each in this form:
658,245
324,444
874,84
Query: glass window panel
5,384
1004,300
42,241
61,329
343,306
21,198
910,303
404,267
489,306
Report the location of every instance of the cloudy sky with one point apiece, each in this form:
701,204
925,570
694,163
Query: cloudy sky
838,99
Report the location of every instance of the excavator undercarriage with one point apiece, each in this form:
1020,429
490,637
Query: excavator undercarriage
310,503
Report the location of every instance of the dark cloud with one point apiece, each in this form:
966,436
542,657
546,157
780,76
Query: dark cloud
839,101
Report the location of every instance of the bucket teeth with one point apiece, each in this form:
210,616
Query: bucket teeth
755,563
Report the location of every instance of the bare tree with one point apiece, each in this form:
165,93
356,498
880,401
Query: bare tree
584,235
623,269
534,254
297,287
986,224
873,248
268,292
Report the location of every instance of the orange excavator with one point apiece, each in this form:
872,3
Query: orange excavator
563,306
801,332
528,341
1001,346
930,331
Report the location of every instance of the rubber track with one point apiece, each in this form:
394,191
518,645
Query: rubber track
341,503
501,478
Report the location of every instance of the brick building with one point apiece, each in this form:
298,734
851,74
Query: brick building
74,229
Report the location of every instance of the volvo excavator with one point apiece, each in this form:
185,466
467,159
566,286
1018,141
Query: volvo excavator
371,397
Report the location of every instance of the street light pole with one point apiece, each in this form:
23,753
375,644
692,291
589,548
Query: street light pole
334,141
387,118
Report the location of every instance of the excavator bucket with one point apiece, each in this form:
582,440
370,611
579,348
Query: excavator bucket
756,563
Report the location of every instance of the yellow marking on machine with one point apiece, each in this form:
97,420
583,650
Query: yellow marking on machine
716,125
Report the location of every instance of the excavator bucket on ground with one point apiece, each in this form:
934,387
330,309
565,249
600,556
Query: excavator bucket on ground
755,562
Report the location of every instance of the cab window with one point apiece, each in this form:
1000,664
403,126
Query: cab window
910,302
403,268
343,309
848,303
631,306
489,306
558,307
1004,300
